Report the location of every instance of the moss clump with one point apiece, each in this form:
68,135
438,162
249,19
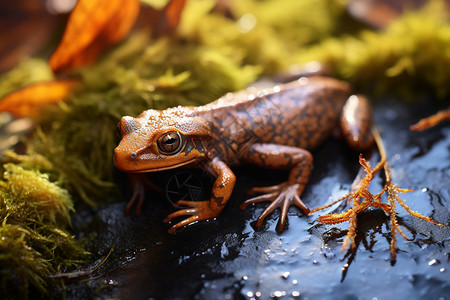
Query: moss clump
50,202
28,71
265,33
34,243
409,58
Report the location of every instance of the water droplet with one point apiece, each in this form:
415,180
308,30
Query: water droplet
112,282
295,294
285,275
278,294
224,251
433,262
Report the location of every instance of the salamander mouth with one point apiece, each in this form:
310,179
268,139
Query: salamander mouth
164,168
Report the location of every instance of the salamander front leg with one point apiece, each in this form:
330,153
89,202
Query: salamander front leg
298,161
139,183
203,210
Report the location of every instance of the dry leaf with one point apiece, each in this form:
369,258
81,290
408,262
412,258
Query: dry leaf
169,19
431,121
29,100
173,12
92,27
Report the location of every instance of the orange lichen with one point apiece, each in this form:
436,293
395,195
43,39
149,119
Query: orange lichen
362,199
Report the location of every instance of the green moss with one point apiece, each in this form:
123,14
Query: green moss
34,243
298,22
28,71
46,198
409,58
265,33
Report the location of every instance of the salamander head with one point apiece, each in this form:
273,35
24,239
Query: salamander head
160,140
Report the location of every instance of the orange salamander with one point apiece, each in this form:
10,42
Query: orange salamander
272,128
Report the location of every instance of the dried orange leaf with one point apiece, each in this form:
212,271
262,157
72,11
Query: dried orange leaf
92,27
169,19
29,100
431,121
173,12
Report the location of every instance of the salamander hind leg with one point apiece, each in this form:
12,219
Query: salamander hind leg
283,195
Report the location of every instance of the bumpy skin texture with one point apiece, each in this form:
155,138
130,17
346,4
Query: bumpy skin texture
273,128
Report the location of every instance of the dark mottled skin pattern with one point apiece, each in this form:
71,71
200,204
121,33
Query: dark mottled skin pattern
298,116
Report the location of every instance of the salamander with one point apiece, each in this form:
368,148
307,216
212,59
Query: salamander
274,128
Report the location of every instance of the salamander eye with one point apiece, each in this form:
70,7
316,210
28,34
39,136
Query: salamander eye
170,143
